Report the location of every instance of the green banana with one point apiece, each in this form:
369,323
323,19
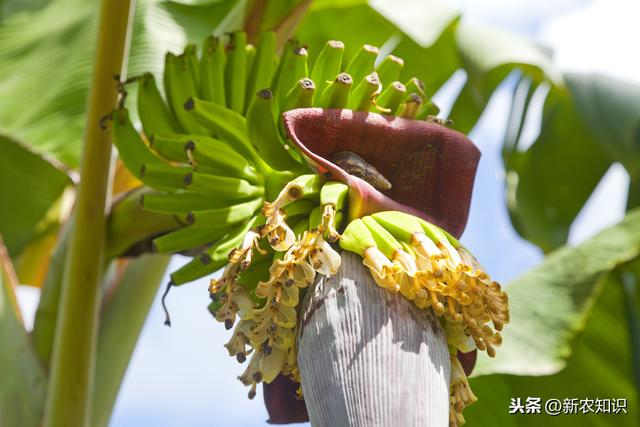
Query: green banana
390,98
212,65
206,152
300,96
213,258
302,187
224,216
180,87
168,146
411,106
265,136
427,109
251,56
229,125
328,65
334,193
336,94
315,218
235,76
193,64
415,85
263,66
299,207
188,238
384,240
389,69
299,227
357,238
153,112
362,96
401,225
255,273
180,203
294,67
362,63
131,149
163,176
223,186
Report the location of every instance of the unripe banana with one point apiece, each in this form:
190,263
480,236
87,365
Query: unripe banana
212,65
265,136
181,86
327,66
357,238
361,98
362,63
263,67
189,238
315,218
389,69
132,150
193,64
411,106
229,125
235,76
180,203
383,238
294,67
163,176
334,193
299,207
300,96
299,226
223,186
415,85
154,114
258,271
251,56
303,187
390,98
336,94
207,153
213,258
427,109
224,216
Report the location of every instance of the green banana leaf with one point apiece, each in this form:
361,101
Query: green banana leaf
30,186
549,183
568,336
22,380
611,110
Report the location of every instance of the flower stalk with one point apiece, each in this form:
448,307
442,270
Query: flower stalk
74,350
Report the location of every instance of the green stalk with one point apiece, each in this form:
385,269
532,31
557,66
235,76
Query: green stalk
121,321
72,366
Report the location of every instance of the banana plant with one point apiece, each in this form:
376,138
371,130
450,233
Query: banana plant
224,174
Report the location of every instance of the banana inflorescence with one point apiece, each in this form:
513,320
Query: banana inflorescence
216,155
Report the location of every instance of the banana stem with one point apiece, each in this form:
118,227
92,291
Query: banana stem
275,182
72,366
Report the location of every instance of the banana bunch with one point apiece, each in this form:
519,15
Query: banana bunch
265,277
214,151
428,266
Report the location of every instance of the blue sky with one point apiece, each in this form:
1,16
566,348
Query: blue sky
182,376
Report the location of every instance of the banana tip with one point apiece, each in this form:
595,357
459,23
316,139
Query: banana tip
189,104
